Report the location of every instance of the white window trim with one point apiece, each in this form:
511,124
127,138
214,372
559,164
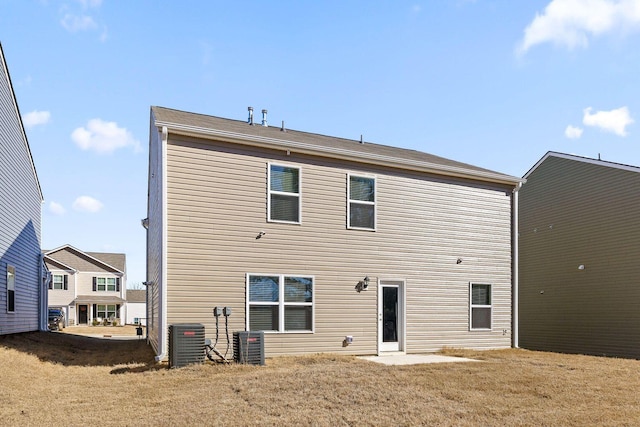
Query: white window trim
106,284
106,310
281,304
53,282
472,306
363,202
270,192
11,286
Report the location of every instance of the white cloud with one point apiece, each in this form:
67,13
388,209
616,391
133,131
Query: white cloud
570,23
87,204
35,118
615,121
56,208
75,23
103,137
573,132
90,3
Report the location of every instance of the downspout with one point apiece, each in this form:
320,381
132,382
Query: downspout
162,282
43,272
515,261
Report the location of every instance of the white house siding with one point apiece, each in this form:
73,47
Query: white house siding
217,204
64,298
577,212
20,214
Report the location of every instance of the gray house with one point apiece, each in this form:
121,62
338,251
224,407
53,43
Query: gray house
325,244
579,269
23,295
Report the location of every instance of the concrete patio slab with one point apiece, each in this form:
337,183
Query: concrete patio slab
415,359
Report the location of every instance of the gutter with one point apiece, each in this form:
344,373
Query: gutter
339,153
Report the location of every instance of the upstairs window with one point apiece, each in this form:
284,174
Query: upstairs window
11,289
481,306
284,194
280,303
106,284
362,203
59,281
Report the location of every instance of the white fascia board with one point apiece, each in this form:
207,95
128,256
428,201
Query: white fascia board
340,153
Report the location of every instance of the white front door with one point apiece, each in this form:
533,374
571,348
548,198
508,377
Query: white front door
390,315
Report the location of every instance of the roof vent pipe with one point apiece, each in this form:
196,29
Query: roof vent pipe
250,120
282,129
264,118
361,141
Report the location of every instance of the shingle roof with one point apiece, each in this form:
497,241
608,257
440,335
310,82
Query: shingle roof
81,261
100,299
365,152
582,159
136,295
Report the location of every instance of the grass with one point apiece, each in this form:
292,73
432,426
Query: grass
52,378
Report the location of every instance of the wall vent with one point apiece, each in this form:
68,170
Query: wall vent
248,347
186,344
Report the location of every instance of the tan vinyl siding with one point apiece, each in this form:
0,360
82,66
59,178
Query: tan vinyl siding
576,213
217,204
20,217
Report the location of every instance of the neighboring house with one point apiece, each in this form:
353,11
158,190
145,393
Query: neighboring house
136,307
23,295
319,241
579,248
87,285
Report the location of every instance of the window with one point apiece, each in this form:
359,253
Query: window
59,281
480,298
362,203
107,284
284,194
106,311
11,289
279,303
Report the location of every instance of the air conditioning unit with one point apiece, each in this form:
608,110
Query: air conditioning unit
248,347
186,344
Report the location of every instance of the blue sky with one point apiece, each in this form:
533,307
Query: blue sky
494,83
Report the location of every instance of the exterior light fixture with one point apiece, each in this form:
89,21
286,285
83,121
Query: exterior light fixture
363,284
581,267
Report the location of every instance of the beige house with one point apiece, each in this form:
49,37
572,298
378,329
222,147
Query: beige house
325,244
579,242
87,286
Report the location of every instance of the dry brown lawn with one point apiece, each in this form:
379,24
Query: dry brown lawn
65,379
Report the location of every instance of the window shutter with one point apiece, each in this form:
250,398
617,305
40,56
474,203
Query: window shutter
66,282
117,310
95,309
118,284
51,283
94,285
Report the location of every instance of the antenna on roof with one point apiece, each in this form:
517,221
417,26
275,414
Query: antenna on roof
250,120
